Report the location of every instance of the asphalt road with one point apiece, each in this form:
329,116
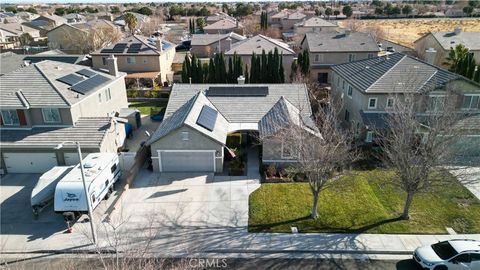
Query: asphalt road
196,263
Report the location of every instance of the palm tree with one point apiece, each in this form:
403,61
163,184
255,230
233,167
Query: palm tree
131,22
455,57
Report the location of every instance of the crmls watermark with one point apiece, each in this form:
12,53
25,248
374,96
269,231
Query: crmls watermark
208,263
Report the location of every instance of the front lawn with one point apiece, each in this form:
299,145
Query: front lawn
364,202
149,107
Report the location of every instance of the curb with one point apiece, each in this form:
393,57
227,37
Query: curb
319,251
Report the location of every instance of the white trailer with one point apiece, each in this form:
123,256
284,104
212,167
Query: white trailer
44,191
102,170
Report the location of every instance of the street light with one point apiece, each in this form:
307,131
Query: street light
89,205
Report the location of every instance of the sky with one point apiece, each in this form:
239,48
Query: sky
116,1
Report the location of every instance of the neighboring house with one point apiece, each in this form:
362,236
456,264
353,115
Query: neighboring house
61,102
314,24
140,57
27,16
224,26
76,38
365,89
10,61
10,34
120,21
206,45
74,18
217,17
289,21
276,19
46,22
441,42
328,48
200,117
257,45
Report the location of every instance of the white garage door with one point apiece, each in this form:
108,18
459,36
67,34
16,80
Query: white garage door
72,158
188,161
29,162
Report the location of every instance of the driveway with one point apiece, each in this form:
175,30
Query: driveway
188,199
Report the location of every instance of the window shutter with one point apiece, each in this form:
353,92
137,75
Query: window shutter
22,118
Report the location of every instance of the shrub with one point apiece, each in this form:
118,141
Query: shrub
132,93
164,95
147,94
271,170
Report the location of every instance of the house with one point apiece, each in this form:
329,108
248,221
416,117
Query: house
76,38
10,61
26,16
205,45
328,48
10,34
217,17
140,57
257,45
200,117
314,24
61,102
141,19
441,42
366,87
224,26
50,20
289,21
276,19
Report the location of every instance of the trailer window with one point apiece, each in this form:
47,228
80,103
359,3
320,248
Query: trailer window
114,168
93,198
106,183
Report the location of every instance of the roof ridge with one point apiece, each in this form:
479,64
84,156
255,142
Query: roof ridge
384,74
50,82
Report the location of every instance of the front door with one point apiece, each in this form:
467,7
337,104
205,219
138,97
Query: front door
322,77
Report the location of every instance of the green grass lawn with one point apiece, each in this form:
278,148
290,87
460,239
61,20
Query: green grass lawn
148,108
364,202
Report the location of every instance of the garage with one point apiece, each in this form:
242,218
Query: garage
187,160
29,162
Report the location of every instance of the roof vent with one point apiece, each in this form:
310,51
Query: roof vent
58,68
367,67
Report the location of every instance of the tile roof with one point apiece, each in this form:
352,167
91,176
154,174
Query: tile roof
43,89
447,40
19,29
335,41
223,24
89,131
188,114
207,39
383,74
296,16
148,46
316,22
259,43
10,61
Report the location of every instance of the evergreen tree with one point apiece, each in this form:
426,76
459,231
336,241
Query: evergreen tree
281,71
277,63
476,76
211,71
253,71
247,78
230,74
184,72
294,68
263,67
306,63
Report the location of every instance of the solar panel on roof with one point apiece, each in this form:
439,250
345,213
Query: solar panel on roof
134,48
71,79
86,72
207,118
89,84
237,91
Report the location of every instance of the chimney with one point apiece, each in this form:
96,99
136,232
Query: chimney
348,32
158,44
112,65
241,80
457,30
430,55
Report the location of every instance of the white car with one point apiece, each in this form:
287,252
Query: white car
461,254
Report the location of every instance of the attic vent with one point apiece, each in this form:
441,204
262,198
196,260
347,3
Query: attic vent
258,40
57,67
259,46
363,43
320,44
452,42
367,67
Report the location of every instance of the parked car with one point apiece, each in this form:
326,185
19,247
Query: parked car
451,255
184,46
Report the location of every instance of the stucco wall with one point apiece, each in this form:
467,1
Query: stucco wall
196,141
68,39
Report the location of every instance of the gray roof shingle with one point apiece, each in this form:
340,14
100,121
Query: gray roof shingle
334,41
207,39
89,131
448,40
259,43
383,74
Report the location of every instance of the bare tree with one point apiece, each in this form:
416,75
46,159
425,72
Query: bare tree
376,32
421,129
152,25
322,149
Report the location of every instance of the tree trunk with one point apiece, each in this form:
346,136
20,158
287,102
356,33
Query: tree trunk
315,205
406,208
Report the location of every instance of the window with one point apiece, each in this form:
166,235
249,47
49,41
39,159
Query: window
93,198
350,91
184,136
347,115
436,103
108,96
370,56
131,60
369,137
372,103
351,57
10,118
99,97
475,257
389,103
104,61
318,57
470,102
51,115
113,168
287,151
462,258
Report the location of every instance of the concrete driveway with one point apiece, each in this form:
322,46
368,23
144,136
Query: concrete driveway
188,199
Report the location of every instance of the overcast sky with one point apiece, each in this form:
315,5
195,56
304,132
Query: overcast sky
116,1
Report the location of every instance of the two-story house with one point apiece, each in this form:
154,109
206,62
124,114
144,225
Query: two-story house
289,21
224,26
442,42
366,90
48,103
139,56
257,45
314,24
328,48
206,45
